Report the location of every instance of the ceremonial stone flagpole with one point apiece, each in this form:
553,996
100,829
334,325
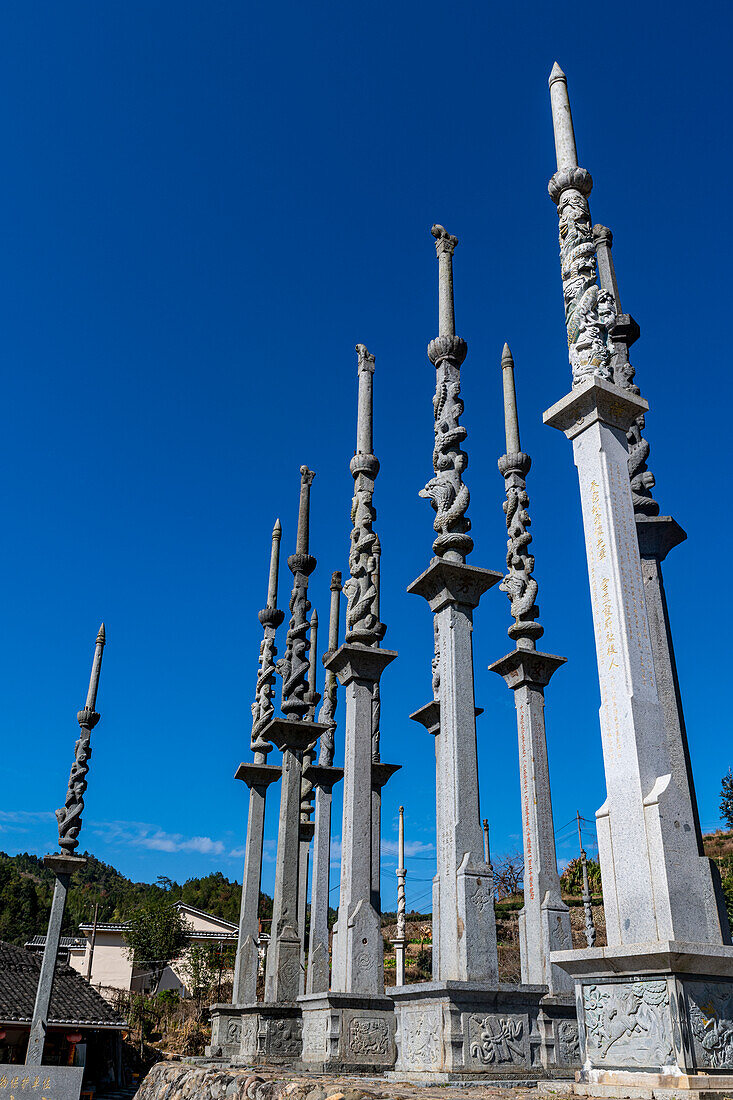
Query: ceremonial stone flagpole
307,827
271,1030
590,928
463,1023
657,535
354,1023
544,922
324,776
63,865
226,1025
654,1006
465,912
400,940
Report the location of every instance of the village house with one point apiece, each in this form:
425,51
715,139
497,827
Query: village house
83,1029
111,965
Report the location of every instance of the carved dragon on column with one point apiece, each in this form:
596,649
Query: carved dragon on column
362,587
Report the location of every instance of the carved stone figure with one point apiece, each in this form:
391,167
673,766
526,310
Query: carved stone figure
499,1039
294,665
711,1018
590,311
362,587
369,1036
421,1038
629,1023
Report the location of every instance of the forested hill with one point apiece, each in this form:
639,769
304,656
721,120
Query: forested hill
26,887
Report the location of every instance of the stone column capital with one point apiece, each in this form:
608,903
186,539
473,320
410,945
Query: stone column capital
382,773
271,616
365,358
444,241
289,733
258,775
429,716
570,179
323,776
87,718
353,661
523,666
445,582
448,346
63,864
658,535
592,401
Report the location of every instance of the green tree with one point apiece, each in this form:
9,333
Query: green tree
726,799
571,880
157,934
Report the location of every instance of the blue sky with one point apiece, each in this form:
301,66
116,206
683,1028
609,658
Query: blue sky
205,207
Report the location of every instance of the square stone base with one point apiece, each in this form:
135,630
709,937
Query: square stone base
345,1032
449,1031
256,1034
653,1016
226,1031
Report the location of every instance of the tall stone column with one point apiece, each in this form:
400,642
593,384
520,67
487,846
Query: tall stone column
544,922
463,906
258,776
355,1017
307,795
657,536
400,941
663,927
66,861
271,1031
324,776
463,1022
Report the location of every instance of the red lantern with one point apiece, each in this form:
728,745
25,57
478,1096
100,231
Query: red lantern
2,1035
74,1037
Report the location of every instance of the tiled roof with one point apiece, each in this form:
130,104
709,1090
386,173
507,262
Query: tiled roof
73,1001
115,926
66,941
200,913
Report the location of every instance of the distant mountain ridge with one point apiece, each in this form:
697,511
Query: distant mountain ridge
26,888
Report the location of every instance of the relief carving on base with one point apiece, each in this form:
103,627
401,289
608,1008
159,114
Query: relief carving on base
628,1024
711,1020
494,1040
314,1039
568,1043
284,1037
248,1036
421,1040
369,1037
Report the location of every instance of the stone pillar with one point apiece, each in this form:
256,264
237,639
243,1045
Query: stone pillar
258,776
590,928
544,922
400,941
657,536
66,862
462,1023
324,776
271,1031
307,795
353,1024
646,1001
465,912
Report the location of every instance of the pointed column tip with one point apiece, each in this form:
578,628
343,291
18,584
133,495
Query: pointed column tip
101,636
556,74
277,529
506,356
314,617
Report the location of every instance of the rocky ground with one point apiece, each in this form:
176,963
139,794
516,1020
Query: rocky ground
182,1081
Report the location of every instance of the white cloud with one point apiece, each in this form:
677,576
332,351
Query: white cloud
412,848
141,835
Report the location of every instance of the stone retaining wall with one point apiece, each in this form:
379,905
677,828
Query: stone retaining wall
178,1081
